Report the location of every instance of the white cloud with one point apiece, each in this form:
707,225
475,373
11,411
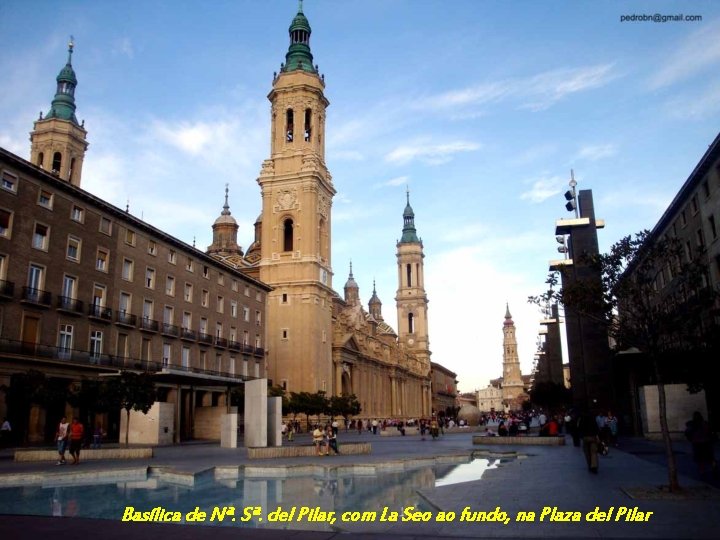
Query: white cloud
543,189
697,106
397,181
432,154
699,52
123,47
598,151
537,92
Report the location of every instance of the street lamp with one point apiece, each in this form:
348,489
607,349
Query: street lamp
570,195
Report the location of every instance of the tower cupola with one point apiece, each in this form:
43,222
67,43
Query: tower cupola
409,234
375,305
299,55
352,290
63,105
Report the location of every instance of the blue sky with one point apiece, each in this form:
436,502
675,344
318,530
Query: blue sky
481,108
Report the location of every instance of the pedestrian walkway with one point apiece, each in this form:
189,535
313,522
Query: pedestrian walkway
543,480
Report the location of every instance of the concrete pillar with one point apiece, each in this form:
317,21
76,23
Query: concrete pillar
256,407
228,430
274,419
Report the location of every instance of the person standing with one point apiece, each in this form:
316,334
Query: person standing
374,426
589,434
5,431
61,437
77,431
699,434
332,440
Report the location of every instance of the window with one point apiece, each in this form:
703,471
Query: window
172,257
152,248
101,261
218,362
234,285
408,269
9,182
124,303
128,270
203,325
170,286
69,287
73,249
188,292
258,296
187,320
221,279
411,323
284,298
220,304
231,367
98,298
168,315
700,238
96,339
5,223
36,277
146,349
167,350
233,334
205,298
105,226
186,357
45,198
683,218
246,314
308,128
258,342
233,309
77,214
65,340
258,318
713,229
147,309
694,204
289,125
245,368
189,265
247,290
206,272
57,162
284,333
40,236
218,330
246,338
288,235
130,237
149,278
706,189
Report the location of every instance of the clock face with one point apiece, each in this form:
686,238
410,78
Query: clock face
411,341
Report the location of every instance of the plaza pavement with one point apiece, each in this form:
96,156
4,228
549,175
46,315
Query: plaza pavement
543,477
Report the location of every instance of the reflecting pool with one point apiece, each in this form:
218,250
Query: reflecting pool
265,491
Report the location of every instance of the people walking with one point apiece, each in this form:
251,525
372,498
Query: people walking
77,431
61,437
589,435
332,440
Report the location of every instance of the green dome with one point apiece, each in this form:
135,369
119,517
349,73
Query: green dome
299,56
63,105
409,235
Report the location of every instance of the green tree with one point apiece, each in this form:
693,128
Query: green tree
308,404
663,323
131,391
344,405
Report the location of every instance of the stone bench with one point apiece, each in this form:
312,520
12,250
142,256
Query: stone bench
520,441
304,450
85,454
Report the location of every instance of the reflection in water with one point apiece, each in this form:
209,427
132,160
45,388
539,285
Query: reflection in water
336,491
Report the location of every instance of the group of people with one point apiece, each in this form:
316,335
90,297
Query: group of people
325,439
69,434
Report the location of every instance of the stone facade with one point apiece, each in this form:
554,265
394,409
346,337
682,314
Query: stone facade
444,388
513,388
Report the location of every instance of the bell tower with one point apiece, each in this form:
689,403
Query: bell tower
411,299
58,141
297,194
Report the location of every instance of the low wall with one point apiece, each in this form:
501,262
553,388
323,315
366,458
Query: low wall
393,432
520,441
85,454
305,450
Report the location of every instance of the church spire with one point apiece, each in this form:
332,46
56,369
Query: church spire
409,233
299,56
63,105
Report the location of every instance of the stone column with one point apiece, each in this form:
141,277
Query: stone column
255,418
274,419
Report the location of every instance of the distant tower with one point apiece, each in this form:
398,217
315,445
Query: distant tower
352,291
411,300
295,240
58,141
225,231
512,386
375,305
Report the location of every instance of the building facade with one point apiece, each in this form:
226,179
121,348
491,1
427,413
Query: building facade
89,289
444,389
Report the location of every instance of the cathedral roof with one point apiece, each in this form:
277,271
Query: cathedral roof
351,283
508,317
225,216
409,235
374,300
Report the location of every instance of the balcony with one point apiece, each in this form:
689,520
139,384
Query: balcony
7,288
69,305
221,343
259,351
123,318
187,334
36,296
149,325
101,313
235,345
170,330
205,338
